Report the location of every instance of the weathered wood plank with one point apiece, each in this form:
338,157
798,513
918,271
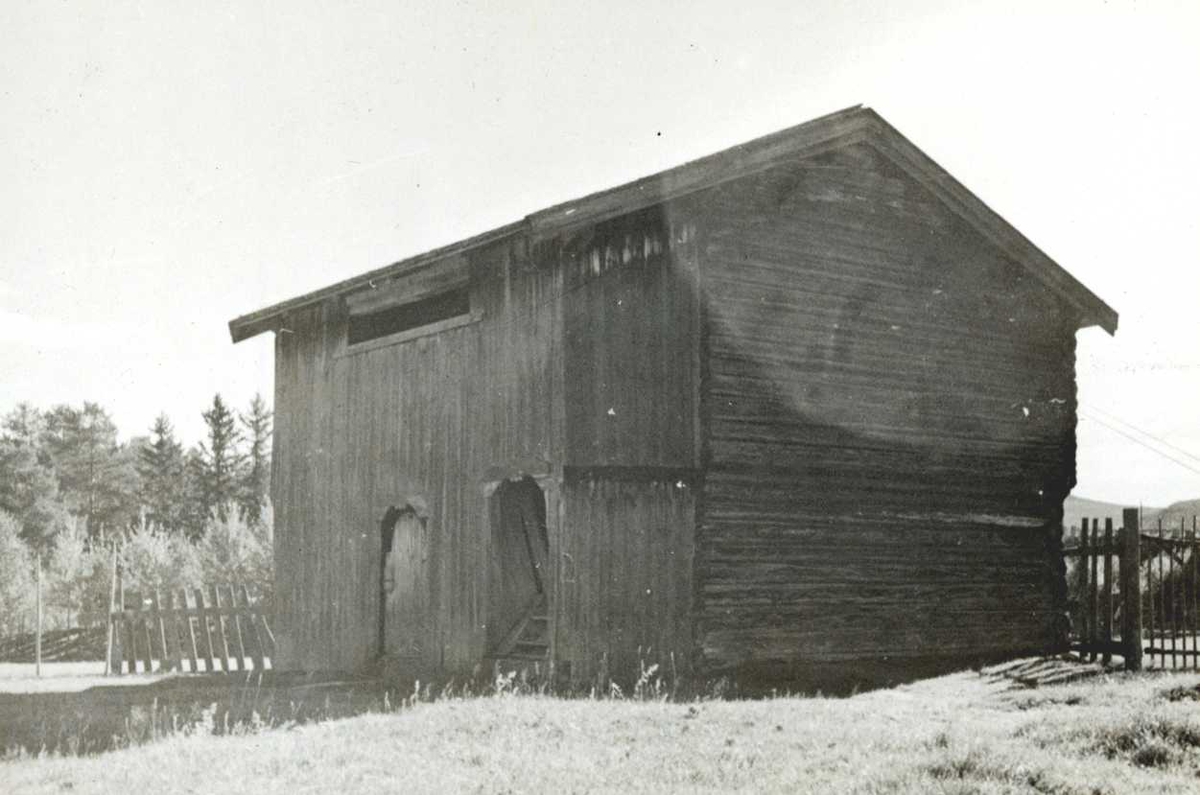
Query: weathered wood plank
204,617
172,653
269,639
159,632
1193,607
219,619
256,642
1085,562
1094,590
189,632
239,640
147,632
1132,614
1107,602
130,644
1162,600
1173,595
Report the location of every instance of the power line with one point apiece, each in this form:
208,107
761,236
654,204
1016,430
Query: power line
1140,442
1128,424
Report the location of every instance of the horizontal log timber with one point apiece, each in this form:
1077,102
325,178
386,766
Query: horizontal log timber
888,483
1097,549
730,647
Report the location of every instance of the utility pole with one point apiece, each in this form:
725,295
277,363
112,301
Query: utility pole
37,643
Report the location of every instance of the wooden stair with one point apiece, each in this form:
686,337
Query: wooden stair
529,638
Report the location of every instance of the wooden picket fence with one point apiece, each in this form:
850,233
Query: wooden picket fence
218,628
1097,561
1172,616
1136,593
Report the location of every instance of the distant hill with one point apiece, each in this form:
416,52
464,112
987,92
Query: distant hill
1170,516
1076,508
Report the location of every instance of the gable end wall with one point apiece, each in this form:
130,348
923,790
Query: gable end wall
891,414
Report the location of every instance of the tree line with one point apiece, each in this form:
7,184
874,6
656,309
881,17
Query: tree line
67,464
76,497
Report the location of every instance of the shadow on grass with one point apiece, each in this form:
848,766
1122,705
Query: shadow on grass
127,713
104,718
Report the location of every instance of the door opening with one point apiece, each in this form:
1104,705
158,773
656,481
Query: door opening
518,620
402,582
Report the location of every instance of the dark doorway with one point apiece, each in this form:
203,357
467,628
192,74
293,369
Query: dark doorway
403,584
519,592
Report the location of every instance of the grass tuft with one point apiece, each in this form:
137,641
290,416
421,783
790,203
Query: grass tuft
1182,693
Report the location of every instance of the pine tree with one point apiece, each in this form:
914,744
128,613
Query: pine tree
194,510
26,426
221,461
161,466
96,475
257,472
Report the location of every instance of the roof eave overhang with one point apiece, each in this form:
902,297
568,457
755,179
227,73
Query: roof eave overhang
269,318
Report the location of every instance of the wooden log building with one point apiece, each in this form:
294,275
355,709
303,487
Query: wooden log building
807,401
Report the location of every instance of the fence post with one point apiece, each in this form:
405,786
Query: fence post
1131,589
1107,615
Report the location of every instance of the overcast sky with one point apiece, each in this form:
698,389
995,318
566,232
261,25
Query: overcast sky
167,166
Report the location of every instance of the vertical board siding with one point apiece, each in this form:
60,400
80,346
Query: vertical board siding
626,586
630,320
439,417
891,413
625,556
428,418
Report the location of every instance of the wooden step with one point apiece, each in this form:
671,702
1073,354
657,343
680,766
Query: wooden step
529,635
533,631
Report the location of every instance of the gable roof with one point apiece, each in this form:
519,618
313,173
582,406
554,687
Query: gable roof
828,133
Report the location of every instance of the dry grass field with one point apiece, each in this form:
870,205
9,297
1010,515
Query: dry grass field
963,733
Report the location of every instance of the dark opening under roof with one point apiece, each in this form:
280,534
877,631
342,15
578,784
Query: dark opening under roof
827,133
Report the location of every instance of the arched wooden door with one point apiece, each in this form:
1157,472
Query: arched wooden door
518,578
404,583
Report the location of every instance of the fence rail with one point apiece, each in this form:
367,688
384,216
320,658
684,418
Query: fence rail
219,627
1135,593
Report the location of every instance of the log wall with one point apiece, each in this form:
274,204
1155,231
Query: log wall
890,407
